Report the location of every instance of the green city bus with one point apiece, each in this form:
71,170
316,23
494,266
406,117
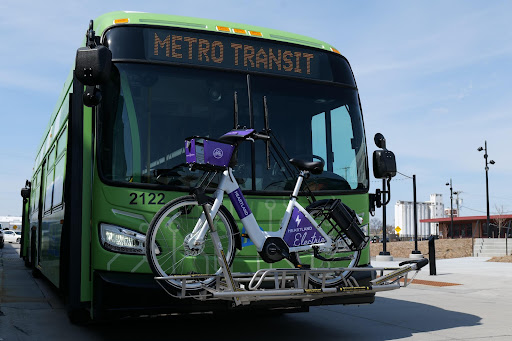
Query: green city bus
113,154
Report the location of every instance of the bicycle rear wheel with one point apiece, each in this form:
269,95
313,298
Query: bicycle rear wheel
334,278
168,250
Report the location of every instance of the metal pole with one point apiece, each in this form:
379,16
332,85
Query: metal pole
432,255
384,231
451,209
415,216
487,188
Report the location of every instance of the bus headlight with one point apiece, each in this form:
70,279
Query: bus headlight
122,240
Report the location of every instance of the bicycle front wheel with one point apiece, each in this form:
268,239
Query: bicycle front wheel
169,252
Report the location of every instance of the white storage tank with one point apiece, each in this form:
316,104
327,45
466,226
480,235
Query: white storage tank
404,216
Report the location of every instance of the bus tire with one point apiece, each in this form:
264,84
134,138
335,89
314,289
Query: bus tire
36,273
79,316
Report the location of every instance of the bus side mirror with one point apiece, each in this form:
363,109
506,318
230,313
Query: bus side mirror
93,64
380,140
25,193
384,164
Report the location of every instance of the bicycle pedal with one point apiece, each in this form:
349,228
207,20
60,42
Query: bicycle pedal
245,235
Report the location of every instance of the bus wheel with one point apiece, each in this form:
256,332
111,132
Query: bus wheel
36,273
79,316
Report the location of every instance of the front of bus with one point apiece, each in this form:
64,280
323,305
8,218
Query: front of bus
173,78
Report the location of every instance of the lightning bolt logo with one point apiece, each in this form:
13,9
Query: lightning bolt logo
297,220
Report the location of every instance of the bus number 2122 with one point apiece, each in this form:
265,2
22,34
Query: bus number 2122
147,198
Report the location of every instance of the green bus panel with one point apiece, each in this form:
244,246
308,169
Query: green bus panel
123,207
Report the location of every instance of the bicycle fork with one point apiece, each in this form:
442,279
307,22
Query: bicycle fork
219,251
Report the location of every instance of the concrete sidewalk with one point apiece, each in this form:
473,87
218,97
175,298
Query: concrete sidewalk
477,308
29,307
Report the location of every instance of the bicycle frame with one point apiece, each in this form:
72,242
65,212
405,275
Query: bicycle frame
298,229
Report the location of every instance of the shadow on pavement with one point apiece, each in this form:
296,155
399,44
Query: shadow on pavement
23,318
386,319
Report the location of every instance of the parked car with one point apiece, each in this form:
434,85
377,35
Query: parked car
11,236
1,239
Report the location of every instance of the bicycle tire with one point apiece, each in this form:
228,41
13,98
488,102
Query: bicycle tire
335,278
169,229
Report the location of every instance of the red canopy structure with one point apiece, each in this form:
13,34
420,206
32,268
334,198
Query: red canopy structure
473,226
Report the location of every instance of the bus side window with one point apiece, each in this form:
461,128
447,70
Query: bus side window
319,136
62,142
48,190
49,180
60,168
36,190
344,163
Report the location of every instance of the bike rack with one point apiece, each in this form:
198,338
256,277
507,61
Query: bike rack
285,284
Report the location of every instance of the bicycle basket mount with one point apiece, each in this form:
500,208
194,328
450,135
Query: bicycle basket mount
343,220
206,154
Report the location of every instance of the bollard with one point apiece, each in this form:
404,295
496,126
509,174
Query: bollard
432,255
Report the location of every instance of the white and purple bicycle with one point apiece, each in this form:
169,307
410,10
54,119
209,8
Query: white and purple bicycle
192,240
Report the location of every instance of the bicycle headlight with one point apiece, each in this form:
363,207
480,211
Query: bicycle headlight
122,240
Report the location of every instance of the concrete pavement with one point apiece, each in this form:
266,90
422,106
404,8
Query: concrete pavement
478,308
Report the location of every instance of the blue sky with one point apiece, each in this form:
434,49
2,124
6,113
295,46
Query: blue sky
435,77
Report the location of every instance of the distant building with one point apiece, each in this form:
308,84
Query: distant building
472,227
10,222
404,216
454,212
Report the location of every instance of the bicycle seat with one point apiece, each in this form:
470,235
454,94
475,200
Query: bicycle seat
315,167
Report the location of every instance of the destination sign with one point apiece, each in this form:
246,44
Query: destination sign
227,51
231,52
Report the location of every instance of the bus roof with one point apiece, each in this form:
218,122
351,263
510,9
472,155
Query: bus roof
126,17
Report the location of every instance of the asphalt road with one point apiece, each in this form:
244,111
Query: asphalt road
477,308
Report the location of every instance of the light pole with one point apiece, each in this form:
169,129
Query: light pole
415,252
451,207
487,182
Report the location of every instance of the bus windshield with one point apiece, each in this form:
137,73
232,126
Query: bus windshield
149,110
